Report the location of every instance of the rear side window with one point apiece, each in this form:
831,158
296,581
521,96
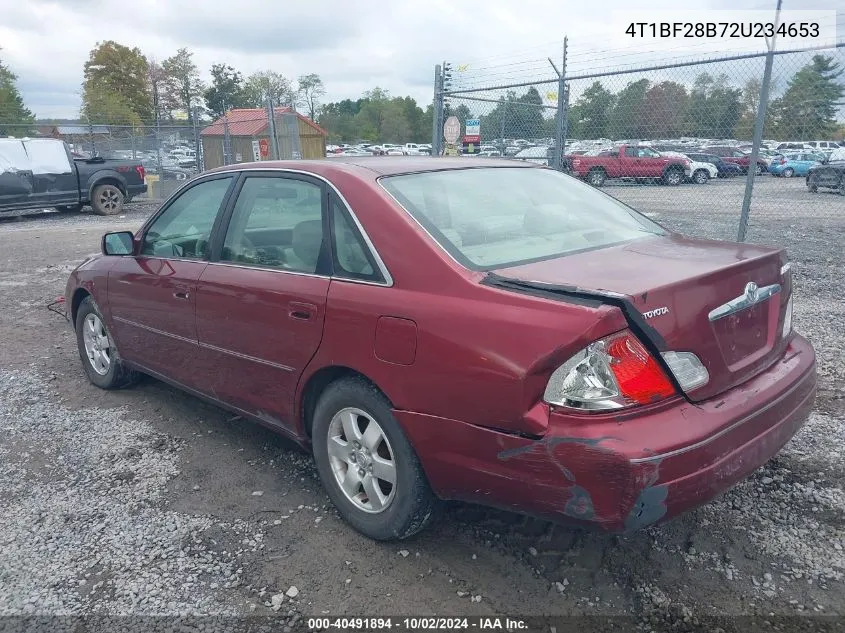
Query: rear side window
277,223
352,257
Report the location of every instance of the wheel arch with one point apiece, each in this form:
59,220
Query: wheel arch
317,383
105,179
78,297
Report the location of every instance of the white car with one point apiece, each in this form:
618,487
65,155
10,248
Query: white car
699,173
538,154
394,151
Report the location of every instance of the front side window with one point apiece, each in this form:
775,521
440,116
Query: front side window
277,223
493,217
183,230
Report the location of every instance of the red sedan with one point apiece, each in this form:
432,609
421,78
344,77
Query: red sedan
433,328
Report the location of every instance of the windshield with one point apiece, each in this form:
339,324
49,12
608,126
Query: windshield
493,217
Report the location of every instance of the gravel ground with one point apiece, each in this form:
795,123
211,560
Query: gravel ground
147,501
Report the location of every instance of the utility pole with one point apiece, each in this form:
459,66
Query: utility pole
271,129
758,131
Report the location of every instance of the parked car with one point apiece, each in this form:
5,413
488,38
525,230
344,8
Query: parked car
793,146
629,161
723,169
824,146
795,164
733,155
41,172
540,155
519,343
830,175
700,172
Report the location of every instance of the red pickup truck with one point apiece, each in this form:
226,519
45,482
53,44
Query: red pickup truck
629,161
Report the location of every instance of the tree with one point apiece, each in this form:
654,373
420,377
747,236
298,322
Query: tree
226,90
515,116
628,117
807,110
14,115
268,82
665,110
116,76
590,116
714,107
183,88
311,90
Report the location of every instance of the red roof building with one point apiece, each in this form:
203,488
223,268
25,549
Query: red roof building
298,136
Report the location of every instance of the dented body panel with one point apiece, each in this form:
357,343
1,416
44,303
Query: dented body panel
622,472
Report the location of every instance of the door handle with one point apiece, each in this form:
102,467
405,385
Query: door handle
182,292
301,311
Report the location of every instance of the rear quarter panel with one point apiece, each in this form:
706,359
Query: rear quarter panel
483,355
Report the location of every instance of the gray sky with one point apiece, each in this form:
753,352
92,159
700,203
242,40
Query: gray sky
353,45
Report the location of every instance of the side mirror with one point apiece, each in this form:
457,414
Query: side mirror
118,243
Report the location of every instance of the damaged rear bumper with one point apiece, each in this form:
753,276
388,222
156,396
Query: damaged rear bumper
622,472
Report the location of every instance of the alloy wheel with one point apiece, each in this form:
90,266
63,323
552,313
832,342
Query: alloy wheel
109,199
362,460
97,345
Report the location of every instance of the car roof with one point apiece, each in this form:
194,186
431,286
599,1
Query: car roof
378,165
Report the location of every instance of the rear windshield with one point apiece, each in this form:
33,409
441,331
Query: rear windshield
494,217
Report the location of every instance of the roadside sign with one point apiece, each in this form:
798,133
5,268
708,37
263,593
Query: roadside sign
452,130
256,151
264,148
473,127
451,150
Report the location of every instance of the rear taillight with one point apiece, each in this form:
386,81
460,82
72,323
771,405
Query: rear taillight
141,172
783,161
612,373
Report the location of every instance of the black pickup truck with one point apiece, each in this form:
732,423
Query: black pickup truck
40,173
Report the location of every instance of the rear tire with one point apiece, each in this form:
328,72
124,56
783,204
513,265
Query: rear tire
700,177
97,350
107,200
842,186
349,459
596,177
758,170
673,177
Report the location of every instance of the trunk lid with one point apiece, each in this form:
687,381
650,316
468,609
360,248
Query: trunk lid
694,293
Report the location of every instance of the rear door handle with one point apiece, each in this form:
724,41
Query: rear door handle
301,311
182,292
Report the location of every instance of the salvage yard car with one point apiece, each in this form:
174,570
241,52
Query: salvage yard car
40,173
637,162
831,175
432,328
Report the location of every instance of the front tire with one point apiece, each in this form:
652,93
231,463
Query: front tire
788,172
97,350
673,177
107,200
366,464
700,177
596,177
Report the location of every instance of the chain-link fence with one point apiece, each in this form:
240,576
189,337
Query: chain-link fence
174,152
673,140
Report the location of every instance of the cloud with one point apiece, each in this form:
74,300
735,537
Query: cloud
353,46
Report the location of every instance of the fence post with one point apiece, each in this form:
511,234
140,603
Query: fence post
227,142
271,129
198,140
437,113
560,127
758,132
